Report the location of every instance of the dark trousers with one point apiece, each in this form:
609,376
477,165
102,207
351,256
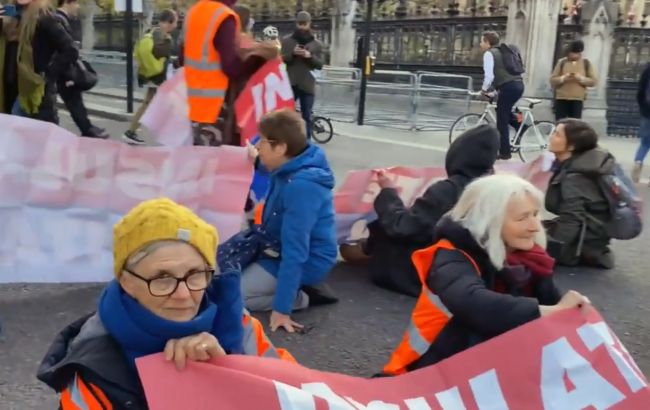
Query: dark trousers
47,110
306,101
568,109
509,94
74,102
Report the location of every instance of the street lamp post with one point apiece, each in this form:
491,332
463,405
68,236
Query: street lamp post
128,18
365,73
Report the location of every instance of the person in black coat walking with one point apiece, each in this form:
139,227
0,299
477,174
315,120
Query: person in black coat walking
70,94
643,99
399,230
489,270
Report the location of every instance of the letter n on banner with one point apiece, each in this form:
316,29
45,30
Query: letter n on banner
269,89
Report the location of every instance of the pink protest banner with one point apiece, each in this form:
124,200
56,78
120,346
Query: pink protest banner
568,361
354,200
167,116
269,89
60,196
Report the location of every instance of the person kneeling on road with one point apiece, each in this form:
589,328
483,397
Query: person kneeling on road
487,273
299,214
399,231
165,298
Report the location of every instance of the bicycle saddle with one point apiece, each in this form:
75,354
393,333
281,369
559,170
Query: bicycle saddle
533,101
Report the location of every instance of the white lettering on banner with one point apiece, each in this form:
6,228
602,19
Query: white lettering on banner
597,334
324,392
418,403
450,399
590,388
266,95
138,179
373,405
292,398
93,173
487,391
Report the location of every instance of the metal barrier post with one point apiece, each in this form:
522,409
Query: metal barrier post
128,18
366,68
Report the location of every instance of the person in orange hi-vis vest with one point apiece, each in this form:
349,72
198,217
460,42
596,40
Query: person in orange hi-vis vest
165,298
486,274
212,60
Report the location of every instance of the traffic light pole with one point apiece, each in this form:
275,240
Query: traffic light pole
366,63
128,20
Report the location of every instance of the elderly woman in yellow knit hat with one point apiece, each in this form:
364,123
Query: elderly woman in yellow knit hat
166,297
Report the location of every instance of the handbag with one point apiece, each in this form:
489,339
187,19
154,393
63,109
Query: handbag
244,248
83,75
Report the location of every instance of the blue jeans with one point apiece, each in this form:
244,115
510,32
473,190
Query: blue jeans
644,140
306,105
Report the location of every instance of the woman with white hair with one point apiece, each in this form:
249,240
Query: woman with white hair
487,273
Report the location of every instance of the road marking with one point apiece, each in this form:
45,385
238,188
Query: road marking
393,142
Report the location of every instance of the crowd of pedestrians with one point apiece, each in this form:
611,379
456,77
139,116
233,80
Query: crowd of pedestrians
473,249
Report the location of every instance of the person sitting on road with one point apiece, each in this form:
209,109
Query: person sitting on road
399,231
153,53
487,273
165,298
575,196
299,214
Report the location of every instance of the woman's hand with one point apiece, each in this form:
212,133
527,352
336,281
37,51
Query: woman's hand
383,180
253,153
570,300
279,320
200,348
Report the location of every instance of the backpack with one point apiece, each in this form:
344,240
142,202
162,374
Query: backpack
512,60
624,204
148,65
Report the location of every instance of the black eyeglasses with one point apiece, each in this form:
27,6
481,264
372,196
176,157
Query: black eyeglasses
167,285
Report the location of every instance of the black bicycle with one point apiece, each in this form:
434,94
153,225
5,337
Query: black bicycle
322,130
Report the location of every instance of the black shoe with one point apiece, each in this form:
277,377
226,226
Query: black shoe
96,132
504,157
132,138
320,294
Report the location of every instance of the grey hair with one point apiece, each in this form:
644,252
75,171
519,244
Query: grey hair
137,256
482,209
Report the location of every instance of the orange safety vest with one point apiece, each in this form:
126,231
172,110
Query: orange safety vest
206,82
257,213
429,316
256,343
79,395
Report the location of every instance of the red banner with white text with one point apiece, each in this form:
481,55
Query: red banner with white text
269,89
568,361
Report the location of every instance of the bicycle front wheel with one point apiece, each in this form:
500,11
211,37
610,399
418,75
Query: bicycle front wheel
464,123
321,130
534,141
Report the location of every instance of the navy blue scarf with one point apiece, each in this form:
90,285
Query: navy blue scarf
140,332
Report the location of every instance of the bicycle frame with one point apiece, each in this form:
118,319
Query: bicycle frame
489,115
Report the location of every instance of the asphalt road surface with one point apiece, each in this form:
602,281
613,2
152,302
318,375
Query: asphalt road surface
354,336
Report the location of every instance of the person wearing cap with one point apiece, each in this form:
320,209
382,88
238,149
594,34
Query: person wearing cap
303,54
166,297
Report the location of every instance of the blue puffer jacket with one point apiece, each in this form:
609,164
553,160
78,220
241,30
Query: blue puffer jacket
299,211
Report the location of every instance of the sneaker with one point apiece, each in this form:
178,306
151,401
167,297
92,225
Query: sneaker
320,294
96,132
504,157
636,172
132,138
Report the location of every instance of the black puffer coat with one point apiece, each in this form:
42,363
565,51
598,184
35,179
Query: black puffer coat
399,231
479,311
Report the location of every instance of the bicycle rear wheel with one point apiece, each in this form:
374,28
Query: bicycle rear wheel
321,130
534,141
464,123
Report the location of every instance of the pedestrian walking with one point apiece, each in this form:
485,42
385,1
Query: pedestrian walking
152,54
643,99
502,67
303,54
71,95
571,78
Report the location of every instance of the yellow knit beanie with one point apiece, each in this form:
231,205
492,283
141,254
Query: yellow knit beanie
161,219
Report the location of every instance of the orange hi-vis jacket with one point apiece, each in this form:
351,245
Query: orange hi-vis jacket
206,82
80,394
429,316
